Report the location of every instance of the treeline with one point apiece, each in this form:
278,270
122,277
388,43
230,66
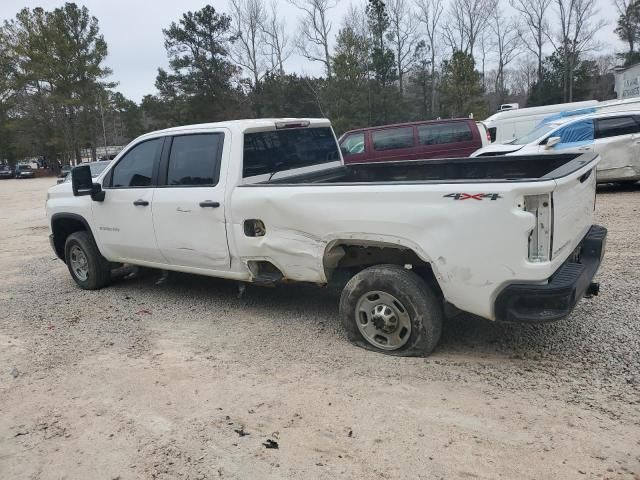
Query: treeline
384,62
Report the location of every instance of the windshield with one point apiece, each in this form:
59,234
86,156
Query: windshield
534,134
279,150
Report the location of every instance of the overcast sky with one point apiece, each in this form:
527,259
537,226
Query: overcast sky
133,31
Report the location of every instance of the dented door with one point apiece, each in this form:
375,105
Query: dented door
188,206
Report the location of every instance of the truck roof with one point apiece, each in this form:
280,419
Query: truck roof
254,124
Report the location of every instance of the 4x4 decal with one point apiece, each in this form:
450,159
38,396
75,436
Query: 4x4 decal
474,196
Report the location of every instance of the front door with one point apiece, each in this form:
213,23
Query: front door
189,204
124,218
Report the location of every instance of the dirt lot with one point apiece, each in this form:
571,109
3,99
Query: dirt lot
185,380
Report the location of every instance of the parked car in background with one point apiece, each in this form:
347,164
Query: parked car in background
24,171
5,171
64,172
413,141
508,124
614,136
96,169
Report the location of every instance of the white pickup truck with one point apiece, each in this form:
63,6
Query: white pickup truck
264,201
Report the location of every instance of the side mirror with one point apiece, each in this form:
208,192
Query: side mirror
552,142
82,184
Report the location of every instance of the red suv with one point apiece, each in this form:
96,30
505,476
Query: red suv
413,141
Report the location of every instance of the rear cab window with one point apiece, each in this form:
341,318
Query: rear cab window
271,152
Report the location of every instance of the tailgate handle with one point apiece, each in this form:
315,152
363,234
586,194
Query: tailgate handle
585,176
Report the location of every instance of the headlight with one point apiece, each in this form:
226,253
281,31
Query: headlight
540,237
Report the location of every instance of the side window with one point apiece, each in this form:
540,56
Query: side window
135,169
195,160
616,126
440,133
393,138
353,144
581,131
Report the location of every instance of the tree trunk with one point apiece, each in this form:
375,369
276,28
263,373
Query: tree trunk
539,59
327,59
433,84
400,79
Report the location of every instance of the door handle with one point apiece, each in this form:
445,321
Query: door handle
141,203
209,204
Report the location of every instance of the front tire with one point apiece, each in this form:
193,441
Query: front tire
390,309
88,268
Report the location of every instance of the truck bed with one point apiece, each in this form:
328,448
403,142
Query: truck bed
526,168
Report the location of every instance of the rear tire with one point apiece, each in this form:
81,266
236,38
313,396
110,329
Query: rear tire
88,268
389,309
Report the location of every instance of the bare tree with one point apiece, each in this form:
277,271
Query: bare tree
628,25
466,21
507,42
536,31
484,45
579,24
523,76
315,30
276,39
402,35
249,17
430,14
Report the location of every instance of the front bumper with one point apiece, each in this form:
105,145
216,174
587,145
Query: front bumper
557,298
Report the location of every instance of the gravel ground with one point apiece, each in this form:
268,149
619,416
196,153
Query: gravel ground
186,380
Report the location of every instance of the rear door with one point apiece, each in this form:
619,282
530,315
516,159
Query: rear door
188,205
447,139
617,142
394,143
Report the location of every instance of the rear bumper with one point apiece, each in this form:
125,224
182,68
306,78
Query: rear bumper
557,298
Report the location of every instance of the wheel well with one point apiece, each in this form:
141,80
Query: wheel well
354,257
62,227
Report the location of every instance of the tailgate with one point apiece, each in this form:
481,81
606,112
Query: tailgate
573,208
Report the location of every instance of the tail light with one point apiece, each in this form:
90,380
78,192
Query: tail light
488,136
294,124
540,237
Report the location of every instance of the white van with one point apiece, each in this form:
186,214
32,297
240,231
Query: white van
509,124
615,136
506,125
